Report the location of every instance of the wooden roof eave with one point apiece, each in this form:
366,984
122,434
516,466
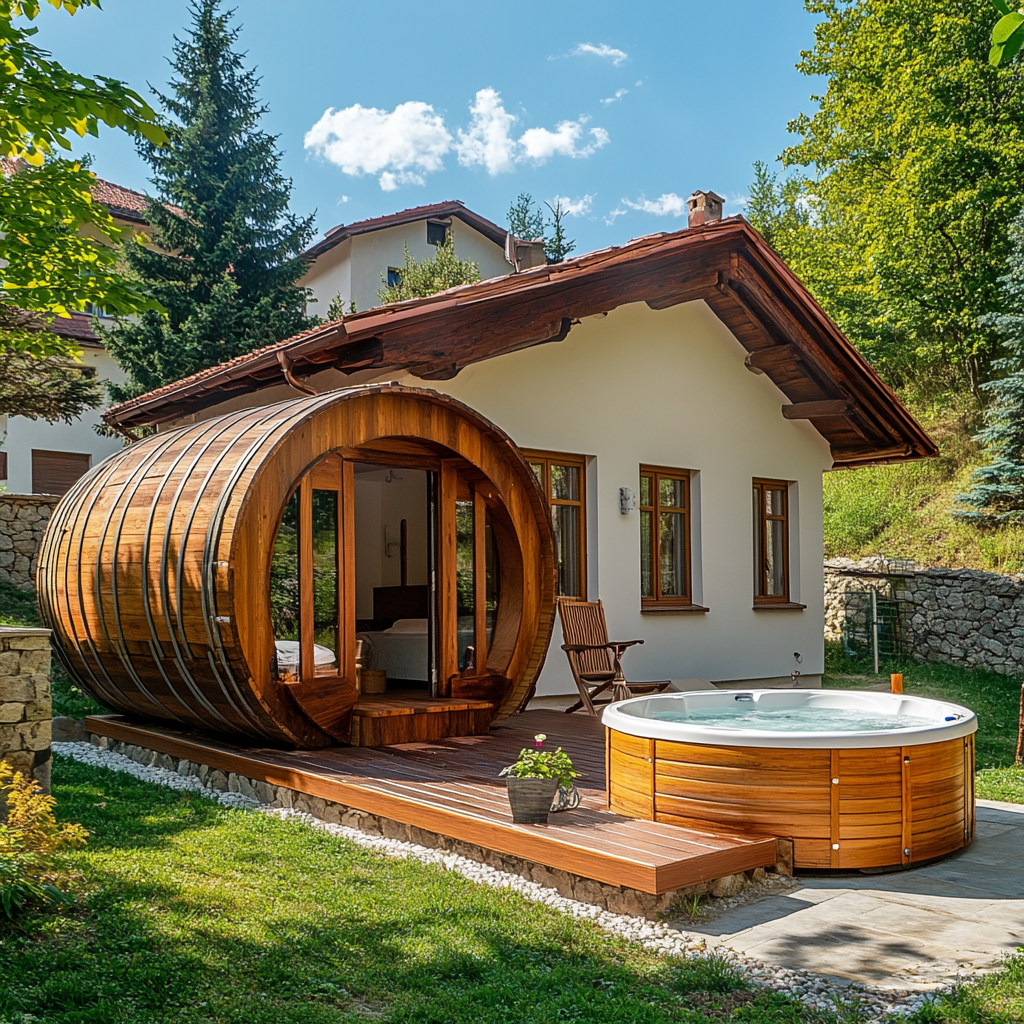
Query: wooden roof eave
728,265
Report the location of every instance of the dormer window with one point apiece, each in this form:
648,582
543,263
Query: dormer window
437,231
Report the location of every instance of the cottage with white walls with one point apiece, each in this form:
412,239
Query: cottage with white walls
678,399
354,261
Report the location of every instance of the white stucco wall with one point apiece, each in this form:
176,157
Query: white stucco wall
669,388
353,268
79,436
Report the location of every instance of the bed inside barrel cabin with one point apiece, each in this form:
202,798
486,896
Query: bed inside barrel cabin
221,576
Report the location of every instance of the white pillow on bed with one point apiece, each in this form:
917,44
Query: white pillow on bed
408,626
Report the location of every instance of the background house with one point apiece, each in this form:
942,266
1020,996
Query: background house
679,399
354,260
47,458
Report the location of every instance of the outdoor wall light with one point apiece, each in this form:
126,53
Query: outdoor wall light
627,500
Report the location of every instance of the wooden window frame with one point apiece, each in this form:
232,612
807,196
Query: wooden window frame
675,603
535,455
761,520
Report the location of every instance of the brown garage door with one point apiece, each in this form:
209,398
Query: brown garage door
55,472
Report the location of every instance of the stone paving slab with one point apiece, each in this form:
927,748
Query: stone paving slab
919,928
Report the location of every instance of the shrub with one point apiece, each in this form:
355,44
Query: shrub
30,839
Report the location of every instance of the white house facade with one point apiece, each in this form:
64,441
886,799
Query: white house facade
678,399
356,260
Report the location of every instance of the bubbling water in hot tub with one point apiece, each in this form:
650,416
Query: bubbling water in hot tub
800,719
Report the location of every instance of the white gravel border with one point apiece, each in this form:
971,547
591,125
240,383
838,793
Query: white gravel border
815,991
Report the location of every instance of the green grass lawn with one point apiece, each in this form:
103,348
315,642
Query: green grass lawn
995,699
191,912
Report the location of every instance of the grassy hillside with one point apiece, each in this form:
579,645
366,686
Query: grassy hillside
903,511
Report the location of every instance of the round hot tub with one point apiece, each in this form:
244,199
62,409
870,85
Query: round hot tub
855,779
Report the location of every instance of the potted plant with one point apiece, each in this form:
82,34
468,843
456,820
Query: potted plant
534,780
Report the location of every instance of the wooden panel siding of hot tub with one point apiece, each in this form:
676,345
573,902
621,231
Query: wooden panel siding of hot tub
759,790
886,800
941,801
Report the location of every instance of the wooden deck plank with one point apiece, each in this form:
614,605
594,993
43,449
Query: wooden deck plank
452,787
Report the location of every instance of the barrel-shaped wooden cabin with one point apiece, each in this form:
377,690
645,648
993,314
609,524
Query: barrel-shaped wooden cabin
223,575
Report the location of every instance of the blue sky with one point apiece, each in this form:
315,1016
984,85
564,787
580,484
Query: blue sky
622,108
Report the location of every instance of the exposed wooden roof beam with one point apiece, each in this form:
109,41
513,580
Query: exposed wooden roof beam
764,359
816,410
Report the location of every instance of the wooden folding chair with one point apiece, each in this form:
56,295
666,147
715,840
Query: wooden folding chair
596,661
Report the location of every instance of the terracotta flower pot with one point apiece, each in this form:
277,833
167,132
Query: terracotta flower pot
531,799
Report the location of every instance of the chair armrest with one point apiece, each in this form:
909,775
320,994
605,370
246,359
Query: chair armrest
623,644
586,647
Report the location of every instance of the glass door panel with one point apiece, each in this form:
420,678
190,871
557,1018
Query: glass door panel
326,596
285,599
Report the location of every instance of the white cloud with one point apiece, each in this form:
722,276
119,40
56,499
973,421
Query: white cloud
613,215
489,140
667,204
574,207
343,199
619,93
539,144
617,57
404,143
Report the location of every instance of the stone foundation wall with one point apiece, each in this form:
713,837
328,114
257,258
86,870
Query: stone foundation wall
959,616
23,518
25,705
617,899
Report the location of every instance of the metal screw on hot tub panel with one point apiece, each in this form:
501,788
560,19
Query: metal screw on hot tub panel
906,851
835,782
835,846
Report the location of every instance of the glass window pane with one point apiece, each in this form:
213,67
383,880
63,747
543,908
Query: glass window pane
325,580
758,554
671,493
284,591
538,472
646,555
776,501
774,567
493,578
465,583
565,482
566,520
672,554
645,490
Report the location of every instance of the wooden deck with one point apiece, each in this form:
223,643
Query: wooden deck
452,787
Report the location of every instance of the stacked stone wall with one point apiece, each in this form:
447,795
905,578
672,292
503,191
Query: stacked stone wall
959,616
23,518
26,708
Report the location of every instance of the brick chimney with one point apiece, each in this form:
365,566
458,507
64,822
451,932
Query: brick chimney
705,208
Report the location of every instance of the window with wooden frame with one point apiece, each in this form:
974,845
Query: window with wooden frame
771,543
563,480
665,523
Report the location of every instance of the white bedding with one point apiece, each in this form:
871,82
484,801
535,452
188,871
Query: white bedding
401,651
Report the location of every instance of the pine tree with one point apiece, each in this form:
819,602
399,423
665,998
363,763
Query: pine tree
525,218
997,494
557,246
226,253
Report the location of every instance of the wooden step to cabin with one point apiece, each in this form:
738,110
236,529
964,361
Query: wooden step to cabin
408,716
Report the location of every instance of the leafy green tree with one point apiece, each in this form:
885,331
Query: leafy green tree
42,103
39,375
419,278
997,491
227,251
1008,34
58,248
914,161
525,218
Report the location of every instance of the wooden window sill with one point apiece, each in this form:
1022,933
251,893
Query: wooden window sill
664,609
780,606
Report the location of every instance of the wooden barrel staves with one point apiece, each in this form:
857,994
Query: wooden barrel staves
154,573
